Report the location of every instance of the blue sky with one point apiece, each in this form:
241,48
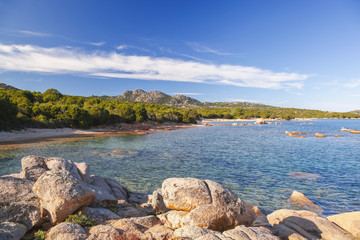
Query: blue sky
300,53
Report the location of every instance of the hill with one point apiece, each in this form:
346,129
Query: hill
157,97
7,87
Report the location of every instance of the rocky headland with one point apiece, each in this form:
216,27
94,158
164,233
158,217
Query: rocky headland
54,198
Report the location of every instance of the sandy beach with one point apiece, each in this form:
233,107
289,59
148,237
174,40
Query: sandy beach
15,139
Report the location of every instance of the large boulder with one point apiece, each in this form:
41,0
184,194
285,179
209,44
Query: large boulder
185,193
66,231
20,212
205,204
61,194
349,221
12,231
32,167
305,224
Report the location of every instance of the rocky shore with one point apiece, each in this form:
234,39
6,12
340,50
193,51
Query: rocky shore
58,199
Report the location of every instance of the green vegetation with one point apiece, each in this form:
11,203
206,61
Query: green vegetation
81,220
19,109
39,235
51,109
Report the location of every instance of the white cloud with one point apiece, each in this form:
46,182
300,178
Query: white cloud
97,43
121,47
60,60
34,34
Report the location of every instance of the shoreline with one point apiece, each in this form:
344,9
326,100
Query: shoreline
16,139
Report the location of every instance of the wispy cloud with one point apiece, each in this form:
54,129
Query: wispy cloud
33,34
97,43
60,60
190,94
121,47
204,49
352,84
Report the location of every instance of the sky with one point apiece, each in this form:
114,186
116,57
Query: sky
299,53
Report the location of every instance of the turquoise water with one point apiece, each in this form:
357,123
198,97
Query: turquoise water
253,161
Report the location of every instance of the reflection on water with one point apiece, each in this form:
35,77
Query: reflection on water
253,161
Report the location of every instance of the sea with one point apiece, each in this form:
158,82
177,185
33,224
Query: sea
256,162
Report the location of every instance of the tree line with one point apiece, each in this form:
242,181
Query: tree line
21,108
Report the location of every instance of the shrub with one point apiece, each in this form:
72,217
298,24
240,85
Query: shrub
81,220
39,235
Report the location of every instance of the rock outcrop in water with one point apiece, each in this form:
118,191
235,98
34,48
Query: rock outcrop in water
48,190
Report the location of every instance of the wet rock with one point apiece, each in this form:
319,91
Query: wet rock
104,232
250,233
299,199
66,231
20,212
101,213
349,221
305,224
17,190
61,194
185,193
12,231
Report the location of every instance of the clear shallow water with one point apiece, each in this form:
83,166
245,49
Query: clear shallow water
253,161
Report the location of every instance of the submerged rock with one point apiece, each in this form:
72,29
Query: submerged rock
302,201
61,194
305,175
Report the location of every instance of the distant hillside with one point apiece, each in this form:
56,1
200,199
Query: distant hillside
7,87
356,112
139,95
236,104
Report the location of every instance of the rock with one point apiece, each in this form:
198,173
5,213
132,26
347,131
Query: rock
17,190
299,199
20,212
260,218
209,205
126,210
355,131
260,121
185,193
160,232
305,224
84,168
56,163
104,232
336,135
172,218
61,194
305,175
130,228
320,135
157,202
12,231
101,213
13,175
349,221
250,233
191,232
138,198
102,197
208,236
147,221
32,167
66,231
